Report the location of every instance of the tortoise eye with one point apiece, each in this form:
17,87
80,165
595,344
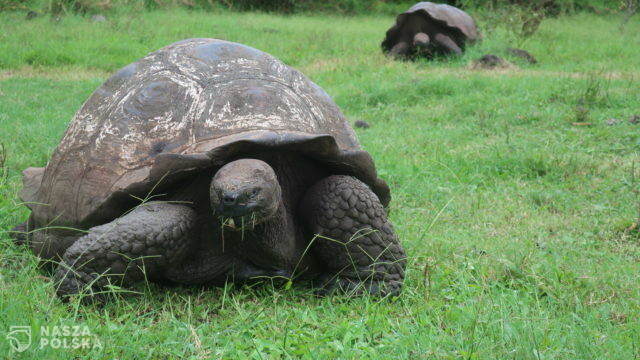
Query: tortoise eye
254,192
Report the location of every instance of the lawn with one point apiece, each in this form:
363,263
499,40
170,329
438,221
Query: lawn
515,192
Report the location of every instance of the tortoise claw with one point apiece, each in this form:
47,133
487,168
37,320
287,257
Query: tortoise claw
355,287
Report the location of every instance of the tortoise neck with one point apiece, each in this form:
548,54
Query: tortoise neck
269,244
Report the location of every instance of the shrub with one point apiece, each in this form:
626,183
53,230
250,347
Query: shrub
7,5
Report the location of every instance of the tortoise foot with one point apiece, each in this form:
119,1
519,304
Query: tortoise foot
353,237
71,283
135,247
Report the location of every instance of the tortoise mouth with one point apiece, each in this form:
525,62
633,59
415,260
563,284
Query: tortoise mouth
245,217
242,222
238,210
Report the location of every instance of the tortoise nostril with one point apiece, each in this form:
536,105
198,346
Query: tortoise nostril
229,198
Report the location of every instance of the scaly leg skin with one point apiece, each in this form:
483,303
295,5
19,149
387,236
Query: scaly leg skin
399,50
354,238
143,242
447,43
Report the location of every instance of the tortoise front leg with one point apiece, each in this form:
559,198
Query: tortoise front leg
447,43
143,242
400,49
353,237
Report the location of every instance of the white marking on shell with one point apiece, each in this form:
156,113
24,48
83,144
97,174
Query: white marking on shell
164,125
96,129
260,121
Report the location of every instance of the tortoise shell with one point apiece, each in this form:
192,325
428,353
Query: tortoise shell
191,105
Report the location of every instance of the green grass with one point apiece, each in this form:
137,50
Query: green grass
513,215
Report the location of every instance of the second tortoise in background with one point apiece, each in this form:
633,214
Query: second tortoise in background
428,29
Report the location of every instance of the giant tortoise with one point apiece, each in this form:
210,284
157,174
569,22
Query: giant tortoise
428,29
209,161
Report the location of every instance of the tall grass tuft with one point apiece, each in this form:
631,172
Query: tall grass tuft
594,93
4,172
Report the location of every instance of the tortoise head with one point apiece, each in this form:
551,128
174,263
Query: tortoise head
421,40
245,193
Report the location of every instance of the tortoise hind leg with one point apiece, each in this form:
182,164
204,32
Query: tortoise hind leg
124,251
353,238
51,245
47,243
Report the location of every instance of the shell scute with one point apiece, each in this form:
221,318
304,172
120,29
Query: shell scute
186,106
